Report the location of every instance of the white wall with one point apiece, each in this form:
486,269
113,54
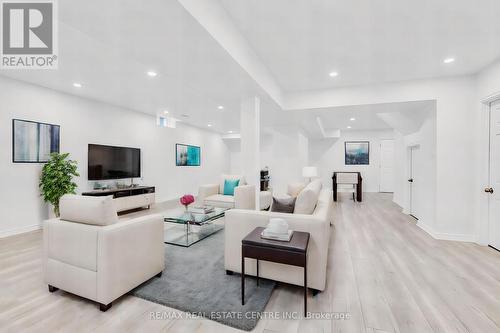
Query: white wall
400,171
488,87
286,150
84,121
457,134
328,156
425,139
461,134
283,149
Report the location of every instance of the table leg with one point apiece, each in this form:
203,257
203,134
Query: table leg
242,280
257,272
305,287
359,190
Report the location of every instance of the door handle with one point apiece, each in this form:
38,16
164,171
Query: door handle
488,190
410,180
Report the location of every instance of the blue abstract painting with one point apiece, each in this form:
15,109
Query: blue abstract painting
187,155
33,142
357,152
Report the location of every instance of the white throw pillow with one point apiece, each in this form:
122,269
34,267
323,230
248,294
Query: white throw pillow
231,177
88,209
294,189
308,198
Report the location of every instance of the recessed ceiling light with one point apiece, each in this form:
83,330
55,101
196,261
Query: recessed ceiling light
333,74
448,60
348,127
220,107
77,85
152,74
209,125
230,132
352,119
165,112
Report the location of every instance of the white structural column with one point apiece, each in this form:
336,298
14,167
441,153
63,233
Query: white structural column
303,149
250,143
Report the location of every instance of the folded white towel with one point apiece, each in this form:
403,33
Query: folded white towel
277,236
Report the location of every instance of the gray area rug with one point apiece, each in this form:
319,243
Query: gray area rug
194,280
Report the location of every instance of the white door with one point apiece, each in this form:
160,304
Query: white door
413,181
387,166
494,188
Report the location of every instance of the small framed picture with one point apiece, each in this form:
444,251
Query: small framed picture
187,155
357,153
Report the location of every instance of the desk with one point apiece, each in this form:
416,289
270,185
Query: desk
353,178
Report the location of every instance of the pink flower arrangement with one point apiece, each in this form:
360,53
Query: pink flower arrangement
186,200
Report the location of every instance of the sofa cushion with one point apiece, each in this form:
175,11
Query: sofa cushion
230,185
283,205
231,177
294,189
87,209
219,200
307,198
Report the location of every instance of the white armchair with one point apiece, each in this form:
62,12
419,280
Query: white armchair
90,253
213,194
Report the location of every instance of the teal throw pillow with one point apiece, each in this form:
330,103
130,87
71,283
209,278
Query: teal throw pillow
229,186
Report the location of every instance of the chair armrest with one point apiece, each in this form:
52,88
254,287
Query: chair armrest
206,191
129,253
244,197
248,220
72,243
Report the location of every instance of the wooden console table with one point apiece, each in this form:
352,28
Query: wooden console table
358,181
293,253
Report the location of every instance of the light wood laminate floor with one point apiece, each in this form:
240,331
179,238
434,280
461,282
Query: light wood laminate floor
384,271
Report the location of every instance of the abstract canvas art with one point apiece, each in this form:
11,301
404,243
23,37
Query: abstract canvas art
33,142
187,155
357,152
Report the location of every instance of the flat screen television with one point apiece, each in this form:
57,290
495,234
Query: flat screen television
110,162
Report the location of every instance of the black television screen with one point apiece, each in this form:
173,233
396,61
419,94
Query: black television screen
109,162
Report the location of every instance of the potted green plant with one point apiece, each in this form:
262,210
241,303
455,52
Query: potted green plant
57,179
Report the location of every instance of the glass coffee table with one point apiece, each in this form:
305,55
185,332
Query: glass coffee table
184,228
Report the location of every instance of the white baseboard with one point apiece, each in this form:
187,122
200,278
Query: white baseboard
446,236
21,230
400,206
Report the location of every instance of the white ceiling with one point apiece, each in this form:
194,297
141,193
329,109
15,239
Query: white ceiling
367,41
367,117
108,46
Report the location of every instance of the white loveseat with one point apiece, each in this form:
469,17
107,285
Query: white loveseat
213,194
90,253
238,223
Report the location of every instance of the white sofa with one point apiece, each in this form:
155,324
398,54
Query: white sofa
213,194
238,223
90,253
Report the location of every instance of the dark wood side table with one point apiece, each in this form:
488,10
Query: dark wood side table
293,253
